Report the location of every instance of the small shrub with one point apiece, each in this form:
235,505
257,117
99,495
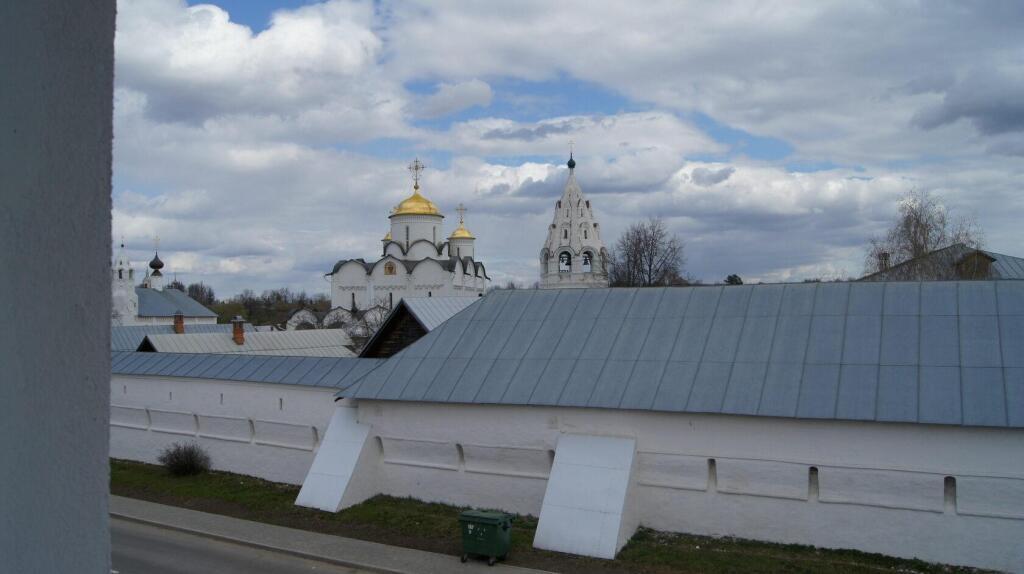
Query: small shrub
185,459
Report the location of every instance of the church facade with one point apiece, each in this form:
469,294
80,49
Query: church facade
573,255
417,260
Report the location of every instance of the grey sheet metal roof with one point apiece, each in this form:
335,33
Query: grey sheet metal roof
432,311
935,352
166,302
1006,266
334,372
128,337
311,343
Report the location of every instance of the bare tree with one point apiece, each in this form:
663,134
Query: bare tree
647,255
925,241
201,292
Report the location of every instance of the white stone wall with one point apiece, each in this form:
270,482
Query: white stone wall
868,486
260,429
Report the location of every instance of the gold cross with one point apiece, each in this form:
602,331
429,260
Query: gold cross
462,213
416,167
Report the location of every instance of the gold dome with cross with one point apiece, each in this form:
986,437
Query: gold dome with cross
416,204
461,232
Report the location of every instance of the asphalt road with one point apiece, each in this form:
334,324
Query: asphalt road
143,549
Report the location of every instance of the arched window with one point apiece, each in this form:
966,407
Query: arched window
584,233
565,234
564,262
389,268
353,301
391,300
120,274
587,260
559,204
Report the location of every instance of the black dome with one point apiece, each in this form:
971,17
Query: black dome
571,163
156,264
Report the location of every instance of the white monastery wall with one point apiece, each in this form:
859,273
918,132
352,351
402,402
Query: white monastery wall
945,494
260,429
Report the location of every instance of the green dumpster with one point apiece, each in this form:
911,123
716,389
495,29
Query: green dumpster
486,534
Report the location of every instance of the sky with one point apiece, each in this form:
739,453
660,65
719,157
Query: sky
261,141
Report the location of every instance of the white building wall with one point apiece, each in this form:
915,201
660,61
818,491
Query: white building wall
878,487
260,429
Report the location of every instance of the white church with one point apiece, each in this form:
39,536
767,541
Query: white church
416,259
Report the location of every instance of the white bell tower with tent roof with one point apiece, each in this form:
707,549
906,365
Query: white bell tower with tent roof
573,255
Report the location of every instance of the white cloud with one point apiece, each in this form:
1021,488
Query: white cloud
451,98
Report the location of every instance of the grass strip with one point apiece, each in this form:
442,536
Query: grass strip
434,527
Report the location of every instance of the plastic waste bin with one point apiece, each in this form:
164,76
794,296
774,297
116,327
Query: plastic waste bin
487,534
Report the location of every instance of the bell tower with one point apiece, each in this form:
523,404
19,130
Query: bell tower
573,255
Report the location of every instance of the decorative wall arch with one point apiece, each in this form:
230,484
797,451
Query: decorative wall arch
302,317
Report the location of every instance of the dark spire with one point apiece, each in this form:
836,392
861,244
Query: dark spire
571,163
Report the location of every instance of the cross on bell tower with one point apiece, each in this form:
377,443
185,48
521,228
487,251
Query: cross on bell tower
461,209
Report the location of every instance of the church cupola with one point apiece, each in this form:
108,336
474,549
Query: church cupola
156,265
573,255
460,242
416,218
154,277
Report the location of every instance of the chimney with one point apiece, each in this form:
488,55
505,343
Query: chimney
179,322
238,330
883,261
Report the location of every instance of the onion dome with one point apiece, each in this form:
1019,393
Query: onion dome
571,163
156,265
416,204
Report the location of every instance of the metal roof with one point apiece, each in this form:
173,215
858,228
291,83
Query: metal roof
129,337
933,352
1002,266
1006,266
334,372
166,302
432,311
310,343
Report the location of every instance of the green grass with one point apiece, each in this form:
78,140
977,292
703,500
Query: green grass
434,527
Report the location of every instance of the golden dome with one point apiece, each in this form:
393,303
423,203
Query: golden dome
461,233
416,204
